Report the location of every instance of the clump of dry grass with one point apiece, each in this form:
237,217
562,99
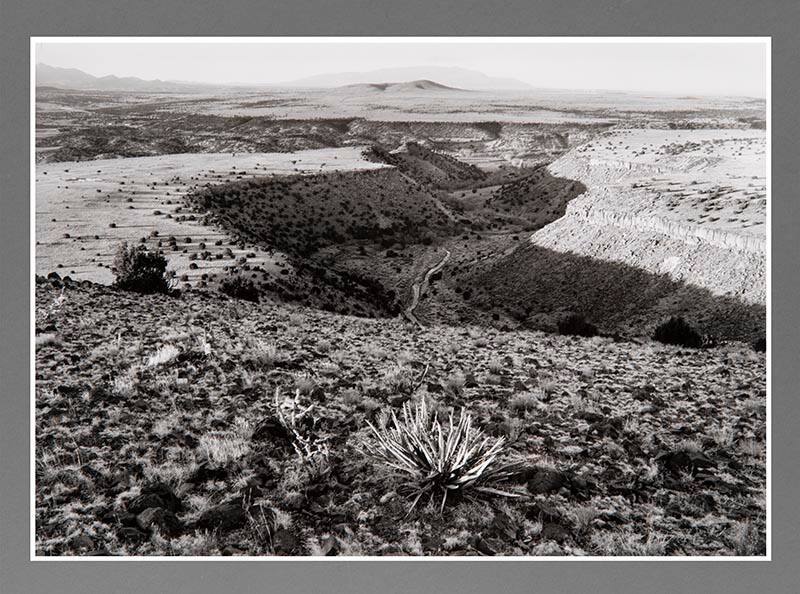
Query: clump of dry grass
304,383
496,366
723,435
627,543
454,384
752,448
125,385
452,348
580,404
399,378
745,539
162,356
436,458
374,351
328,368
614,450
583,516
296,319
524,401
338,357
203,344
352,397
221,448
265,354
548,386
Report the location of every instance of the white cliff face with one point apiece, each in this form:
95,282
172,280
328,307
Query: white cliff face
689,234
721,270
690,204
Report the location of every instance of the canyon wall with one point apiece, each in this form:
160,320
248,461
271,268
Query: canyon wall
649,208
688,233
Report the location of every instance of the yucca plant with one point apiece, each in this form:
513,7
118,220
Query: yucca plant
436,458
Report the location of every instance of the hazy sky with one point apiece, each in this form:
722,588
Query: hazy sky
729,68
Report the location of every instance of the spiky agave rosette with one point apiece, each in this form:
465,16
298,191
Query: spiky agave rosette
440,458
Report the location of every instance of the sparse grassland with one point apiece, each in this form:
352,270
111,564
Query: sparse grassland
158,431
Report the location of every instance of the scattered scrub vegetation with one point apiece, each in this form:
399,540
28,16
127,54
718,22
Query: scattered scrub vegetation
679,332
239,287
576,325
140,270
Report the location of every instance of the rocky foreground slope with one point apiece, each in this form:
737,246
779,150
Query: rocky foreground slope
157,433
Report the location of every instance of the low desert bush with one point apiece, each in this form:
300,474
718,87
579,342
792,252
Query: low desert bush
760,345
264,354
239,287
140,270
523,402
437,459
576,325
455,384
677,331
304,383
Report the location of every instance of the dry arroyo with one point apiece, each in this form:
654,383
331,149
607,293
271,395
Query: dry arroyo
419,289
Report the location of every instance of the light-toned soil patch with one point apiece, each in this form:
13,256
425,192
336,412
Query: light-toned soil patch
85,209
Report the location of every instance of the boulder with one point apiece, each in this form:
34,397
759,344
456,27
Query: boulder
271,429
223,517
156,495
555,532
159,518
285,542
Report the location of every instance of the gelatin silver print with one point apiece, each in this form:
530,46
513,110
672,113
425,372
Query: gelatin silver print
391,297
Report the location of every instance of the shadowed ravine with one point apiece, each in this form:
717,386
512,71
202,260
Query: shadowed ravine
529,287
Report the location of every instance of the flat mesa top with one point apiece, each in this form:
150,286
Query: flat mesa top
709,178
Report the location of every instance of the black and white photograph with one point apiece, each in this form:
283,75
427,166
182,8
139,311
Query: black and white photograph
420,297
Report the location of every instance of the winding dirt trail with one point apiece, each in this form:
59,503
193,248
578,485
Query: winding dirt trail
419,289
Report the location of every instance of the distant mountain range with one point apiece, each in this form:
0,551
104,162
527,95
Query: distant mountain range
409,79
413,86
449,76
72,78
